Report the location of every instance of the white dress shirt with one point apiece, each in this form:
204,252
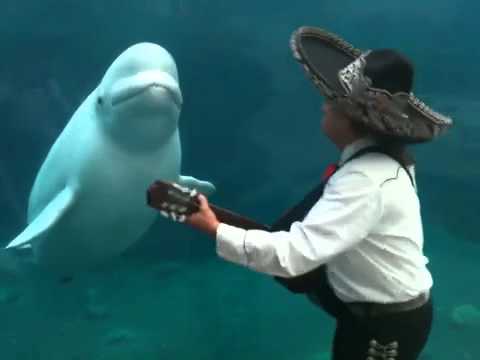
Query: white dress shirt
367,227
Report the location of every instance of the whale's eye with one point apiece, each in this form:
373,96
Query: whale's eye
100,100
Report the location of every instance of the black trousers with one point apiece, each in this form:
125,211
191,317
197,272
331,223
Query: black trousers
395,336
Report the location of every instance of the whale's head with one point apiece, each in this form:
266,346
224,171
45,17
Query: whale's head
139,98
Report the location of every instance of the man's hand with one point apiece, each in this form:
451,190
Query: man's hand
205,219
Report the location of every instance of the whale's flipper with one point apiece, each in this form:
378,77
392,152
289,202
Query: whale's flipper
45,219
205,187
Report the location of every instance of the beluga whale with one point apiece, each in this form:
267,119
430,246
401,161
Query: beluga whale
88,201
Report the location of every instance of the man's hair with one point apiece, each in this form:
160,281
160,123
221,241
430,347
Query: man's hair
394,147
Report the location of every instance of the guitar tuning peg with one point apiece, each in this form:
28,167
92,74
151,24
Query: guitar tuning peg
181,188
182,209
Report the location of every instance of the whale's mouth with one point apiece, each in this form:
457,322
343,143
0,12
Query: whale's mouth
127,89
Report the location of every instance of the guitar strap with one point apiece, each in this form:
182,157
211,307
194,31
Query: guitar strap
315,282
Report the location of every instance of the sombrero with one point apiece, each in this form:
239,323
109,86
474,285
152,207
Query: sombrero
373,87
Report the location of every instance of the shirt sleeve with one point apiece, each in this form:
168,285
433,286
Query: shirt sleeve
344,215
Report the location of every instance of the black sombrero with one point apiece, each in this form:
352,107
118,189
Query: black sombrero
342,74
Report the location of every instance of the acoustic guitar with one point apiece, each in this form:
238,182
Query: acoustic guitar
177,203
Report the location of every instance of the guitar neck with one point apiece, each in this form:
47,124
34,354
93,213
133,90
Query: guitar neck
234,219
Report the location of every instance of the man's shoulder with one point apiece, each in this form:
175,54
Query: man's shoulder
376,166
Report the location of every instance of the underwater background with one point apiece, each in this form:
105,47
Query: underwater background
250,124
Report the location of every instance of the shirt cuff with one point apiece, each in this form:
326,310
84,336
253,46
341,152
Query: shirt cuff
231,244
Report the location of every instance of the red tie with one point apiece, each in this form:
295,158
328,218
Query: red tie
329,171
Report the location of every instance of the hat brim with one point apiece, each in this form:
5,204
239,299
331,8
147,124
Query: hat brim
323,55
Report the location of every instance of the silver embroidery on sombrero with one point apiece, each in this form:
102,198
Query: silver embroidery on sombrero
384,112
434,116
353,78
377,351
356,84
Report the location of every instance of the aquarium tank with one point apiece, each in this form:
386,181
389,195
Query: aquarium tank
250,125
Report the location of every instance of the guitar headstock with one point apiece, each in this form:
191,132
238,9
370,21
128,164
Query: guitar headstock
174,201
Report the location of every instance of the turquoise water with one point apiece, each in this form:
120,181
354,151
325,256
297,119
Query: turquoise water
250,124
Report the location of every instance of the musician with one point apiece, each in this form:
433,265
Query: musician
363,228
